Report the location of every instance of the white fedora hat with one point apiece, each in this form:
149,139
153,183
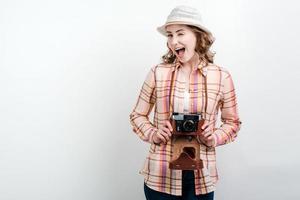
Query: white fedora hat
183,15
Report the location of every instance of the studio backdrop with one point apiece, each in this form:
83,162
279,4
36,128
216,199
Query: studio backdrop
71,72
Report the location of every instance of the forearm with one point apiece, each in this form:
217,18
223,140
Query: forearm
231,123
139,118
142,126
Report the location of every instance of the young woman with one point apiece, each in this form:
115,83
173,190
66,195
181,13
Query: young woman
187,81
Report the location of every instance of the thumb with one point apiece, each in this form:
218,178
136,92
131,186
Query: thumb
205,124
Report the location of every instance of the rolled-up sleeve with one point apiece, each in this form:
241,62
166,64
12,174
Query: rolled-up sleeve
231,123
139,118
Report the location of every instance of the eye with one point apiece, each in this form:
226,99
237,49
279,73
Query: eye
180,34
169,35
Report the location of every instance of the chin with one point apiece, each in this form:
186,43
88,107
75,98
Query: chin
183,60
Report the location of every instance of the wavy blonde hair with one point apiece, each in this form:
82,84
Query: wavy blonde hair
203,44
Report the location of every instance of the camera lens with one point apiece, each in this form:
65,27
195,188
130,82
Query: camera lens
188,125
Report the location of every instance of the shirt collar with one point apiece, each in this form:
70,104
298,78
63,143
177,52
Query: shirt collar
202,67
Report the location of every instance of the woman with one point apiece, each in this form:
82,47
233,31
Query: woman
186,82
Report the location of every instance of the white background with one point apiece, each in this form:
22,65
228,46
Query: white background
70,74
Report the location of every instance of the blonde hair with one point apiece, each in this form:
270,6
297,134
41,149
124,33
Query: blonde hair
203,44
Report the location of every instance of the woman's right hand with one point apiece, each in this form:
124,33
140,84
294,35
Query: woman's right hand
164,133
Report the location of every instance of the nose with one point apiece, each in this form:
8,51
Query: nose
173,41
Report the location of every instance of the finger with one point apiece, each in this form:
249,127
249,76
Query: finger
166,130
165,135
210,141
169,125
207,134
205,124
207,129
202,139
201,134
161,137
210,138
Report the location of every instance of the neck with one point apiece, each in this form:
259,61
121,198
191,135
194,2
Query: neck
194,61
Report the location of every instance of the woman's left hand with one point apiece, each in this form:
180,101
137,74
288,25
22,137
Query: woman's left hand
207,135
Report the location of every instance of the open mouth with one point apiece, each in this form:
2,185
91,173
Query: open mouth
180,51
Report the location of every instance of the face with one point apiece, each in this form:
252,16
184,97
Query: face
182,41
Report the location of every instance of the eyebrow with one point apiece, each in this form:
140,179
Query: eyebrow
175,31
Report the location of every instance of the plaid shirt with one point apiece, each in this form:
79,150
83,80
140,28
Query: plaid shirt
155,92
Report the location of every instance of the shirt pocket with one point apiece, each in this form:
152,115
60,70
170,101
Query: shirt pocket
198,99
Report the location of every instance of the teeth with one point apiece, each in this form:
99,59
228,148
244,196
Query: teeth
177,49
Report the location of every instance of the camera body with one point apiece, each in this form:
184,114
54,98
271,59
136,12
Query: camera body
185,144
186,124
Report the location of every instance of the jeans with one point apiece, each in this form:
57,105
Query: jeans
188,190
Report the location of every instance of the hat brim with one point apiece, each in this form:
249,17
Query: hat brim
162,29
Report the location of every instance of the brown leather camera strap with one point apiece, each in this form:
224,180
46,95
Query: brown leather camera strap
171,94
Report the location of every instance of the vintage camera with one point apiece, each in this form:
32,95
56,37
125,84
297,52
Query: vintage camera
185,144
186,123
